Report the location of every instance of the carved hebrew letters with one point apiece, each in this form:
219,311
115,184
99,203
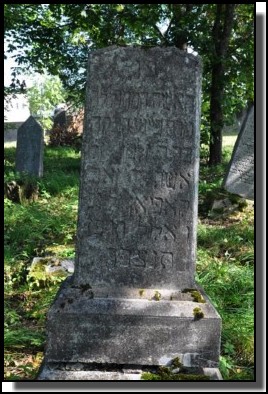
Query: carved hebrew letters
138,169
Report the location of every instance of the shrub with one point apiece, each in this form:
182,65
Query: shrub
69,134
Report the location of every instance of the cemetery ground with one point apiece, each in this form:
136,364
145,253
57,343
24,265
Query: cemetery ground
47,226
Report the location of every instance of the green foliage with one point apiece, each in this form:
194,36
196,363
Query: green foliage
225,264
225,269
43,96
69,134
169,376
43,227
21,188
19,365
16,336
176,371
198,314
39,277
46,219
11,316
196,295
57,38
20,337
157,296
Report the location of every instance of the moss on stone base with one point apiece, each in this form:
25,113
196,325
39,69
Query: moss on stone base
173,376
176,371
197,296
198,313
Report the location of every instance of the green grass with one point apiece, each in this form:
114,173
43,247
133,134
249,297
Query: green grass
225,269
225,263
229,138
44,227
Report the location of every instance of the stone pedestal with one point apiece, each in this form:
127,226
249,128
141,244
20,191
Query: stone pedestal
132,302
131,328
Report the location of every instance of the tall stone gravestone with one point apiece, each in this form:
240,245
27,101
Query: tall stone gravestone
128,303
240,174
30,148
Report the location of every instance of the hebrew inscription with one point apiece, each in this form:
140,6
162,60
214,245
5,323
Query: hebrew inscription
138,195
240,176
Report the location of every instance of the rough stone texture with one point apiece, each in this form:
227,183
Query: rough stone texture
52,373
30,148
240,175
213,373
52,264
85,327
137,219
138,196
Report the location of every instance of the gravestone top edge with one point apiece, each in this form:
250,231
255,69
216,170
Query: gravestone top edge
31,119
131,48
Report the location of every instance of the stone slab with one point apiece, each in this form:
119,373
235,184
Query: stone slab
130,331
52,372
30,148
53,264
240,174
136,239
139,169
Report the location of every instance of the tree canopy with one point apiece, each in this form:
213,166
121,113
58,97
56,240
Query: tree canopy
57,38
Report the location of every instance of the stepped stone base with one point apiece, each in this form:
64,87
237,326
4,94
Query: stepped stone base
140,327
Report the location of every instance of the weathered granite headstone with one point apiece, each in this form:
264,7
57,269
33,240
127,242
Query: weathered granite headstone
30,148
128,303
240,175
60,119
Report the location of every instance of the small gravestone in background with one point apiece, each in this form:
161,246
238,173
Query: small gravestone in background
60,119
133,301
240,175
30,148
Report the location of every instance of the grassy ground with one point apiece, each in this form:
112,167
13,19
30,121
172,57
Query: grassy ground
229,137
45,227
48,226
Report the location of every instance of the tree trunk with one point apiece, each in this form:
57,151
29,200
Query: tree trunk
221,36
216,115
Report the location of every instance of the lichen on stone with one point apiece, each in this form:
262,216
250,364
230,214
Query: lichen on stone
198,314
196,295
157,296
176,371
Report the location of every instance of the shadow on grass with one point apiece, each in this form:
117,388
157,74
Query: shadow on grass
61,170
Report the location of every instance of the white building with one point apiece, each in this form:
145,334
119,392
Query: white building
16,109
